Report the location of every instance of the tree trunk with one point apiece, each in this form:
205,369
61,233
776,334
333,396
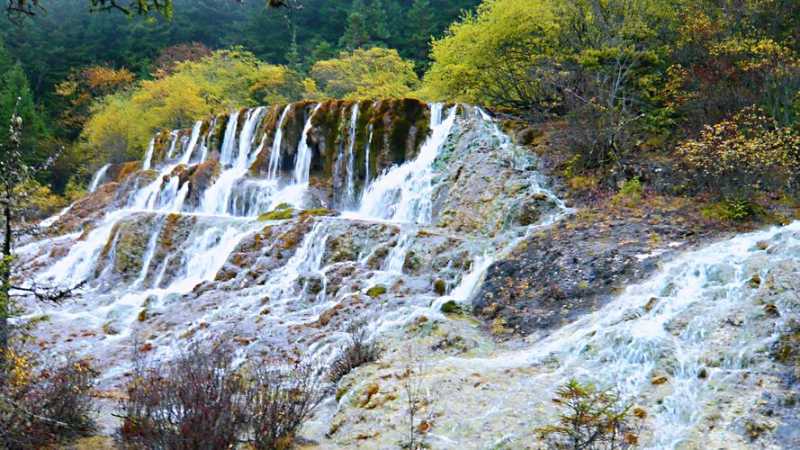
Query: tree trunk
5,279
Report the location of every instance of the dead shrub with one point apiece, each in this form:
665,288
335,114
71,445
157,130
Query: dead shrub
202,401
193,403
356,351
278,402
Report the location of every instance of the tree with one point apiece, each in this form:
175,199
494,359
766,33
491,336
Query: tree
14,173
122,124
129,7
592,419
169,57
419,29
378,21
373,73
16,95
86,86
356,35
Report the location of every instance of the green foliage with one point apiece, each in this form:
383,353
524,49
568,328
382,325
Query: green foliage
732,210
373,73
122,124
630,193
490,53
15,92
592,419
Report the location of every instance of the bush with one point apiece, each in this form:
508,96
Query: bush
41,409
592,419
201,401
194,403
355,352
600,136
743,155
732,210
278,402
630,193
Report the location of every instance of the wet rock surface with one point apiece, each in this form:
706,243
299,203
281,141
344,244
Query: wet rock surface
579,264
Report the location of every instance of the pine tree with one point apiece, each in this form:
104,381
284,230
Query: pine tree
378,22
420,26
293,55
356,35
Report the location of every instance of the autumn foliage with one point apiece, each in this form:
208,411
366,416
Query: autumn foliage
748,153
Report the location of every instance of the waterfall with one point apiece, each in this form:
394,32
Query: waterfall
229,140
99,177
188,247
275,153
351,159
148,157
217,198
366,163
172,143
403,194
303,162
206,138
187,156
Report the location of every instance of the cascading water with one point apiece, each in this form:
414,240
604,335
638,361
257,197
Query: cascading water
403,194
163,266
351,157
275,153
148,157
217,199
98,178
303,161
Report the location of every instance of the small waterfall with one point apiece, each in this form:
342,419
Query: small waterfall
229,140
403,194
351,159
148,157
366,163
275,154
205,142
303,161
397,257
172,143
187,156
217,198
100,176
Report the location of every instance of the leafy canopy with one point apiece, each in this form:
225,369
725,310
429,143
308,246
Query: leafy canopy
123,123
373,73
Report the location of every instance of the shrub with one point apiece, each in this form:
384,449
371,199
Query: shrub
743,155
592,419
732,210
41,409
353,353
278,402
202,401
599,135
630,193
194,403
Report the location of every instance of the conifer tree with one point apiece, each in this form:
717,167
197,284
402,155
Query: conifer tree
356,35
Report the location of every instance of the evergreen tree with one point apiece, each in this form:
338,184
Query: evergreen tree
15,92
420,27
293,55
356,35
378,22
